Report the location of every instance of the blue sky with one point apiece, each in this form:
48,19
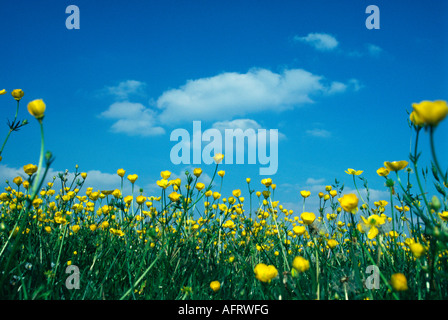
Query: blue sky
136,70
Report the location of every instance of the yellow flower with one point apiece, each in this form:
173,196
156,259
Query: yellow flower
396,165
229,224
128,199
37,108
349,202
197,172
132,178
84,175
48,229
333,193
443,215
200,186
417,249
221,173
415,119
218,158
17,94
300,264
165,174
332,243
305,194
92,227
371,224
399,282
431,112
267,182
2,91
299,230
265,273
18,181
382,172
30,169
121,172
140,199
308,217
116,193
174,196
353,172
215,286
236,193
76,228
162,183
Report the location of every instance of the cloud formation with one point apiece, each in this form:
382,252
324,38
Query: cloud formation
132,119
319,41
126,89
221,98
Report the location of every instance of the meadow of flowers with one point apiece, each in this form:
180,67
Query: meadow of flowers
189,241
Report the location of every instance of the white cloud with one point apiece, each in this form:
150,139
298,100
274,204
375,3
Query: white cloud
314,181
320,133
242,124
125,89
374,50
133,119
320,41
219,98
231,94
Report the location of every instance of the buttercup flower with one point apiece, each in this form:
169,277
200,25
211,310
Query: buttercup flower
431,112
299,230
349,202
383,172
215,286
140,199
121,172
308,217
415,119
132,178
30,169
236,193
17,94
267,182
18,181
417,249
218,158
399,282
197,172
300,264
353,172
443,215
174,196
305,194
396,165
371,224
165,174
265,273
2,92
332,243
162,183
37,108
200,186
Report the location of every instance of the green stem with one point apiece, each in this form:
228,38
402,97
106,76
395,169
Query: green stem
41,159
433,152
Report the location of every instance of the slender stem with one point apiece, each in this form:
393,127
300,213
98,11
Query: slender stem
41,159
433,152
